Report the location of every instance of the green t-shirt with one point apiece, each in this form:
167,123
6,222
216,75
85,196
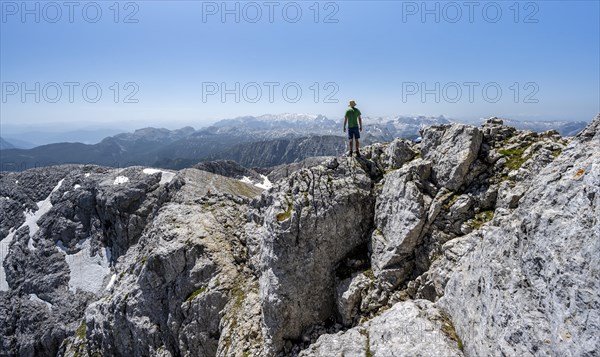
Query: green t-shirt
352,114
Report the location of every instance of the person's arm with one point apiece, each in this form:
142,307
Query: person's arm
345,121
360,122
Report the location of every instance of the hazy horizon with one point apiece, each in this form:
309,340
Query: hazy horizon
92,133
129,126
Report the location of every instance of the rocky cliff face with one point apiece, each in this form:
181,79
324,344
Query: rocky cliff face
530,285
480,241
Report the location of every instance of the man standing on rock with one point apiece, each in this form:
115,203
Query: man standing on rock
354,120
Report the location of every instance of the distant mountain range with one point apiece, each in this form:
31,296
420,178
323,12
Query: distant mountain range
565,128
5,144
262,141
28,139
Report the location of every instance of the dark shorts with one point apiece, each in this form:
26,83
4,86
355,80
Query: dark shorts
353,133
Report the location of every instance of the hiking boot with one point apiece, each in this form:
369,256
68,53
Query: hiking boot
349,154
358,154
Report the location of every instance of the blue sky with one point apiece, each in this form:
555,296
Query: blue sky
181,62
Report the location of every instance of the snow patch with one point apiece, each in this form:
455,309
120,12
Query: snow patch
31,218
4,245
265,185
121,179
87,174
247,180
76,186
111,283
34,297
165,177
86,272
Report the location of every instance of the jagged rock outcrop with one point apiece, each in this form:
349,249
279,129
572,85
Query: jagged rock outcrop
59,259
451,149
310,222
393,155
57,252
401,213
279,172
177,282
477,241
505,160
530,286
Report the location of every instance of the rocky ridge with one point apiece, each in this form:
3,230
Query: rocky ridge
478,241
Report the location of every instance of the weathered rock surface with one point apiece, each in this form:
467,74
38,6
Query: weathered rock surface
530,287
75,220
452,150
175,285
282,171
432,283
411,328
348,294
393,155
60,260
497,229
311,221
401,213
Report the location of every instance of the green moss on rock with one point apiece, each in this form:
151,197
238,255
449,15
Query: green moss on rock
196,293
81,330
514,157
449,330
481,218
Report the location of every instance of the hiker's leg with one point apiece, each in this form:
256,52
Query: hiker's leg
350,145
356,140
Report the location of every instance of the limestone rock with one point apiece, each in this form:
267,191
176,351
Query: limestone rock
282,171
495,120
391,156
495,228
349,295
530,286
431,284
411,328
451,149
401,213
188,257
311,221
